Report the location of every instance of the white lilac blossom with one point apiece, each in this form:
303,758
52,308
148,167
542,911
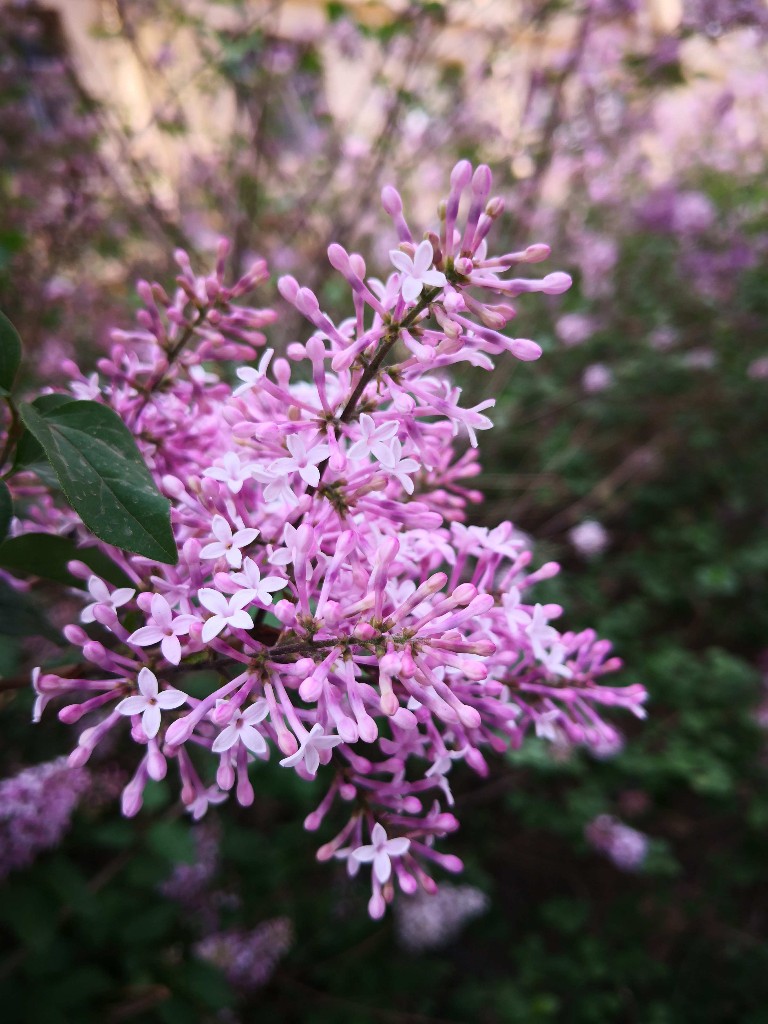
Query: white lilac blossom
346,616
589,538
429,921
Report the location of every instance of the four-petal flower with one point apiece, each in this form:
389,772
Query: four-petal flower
150,701
242,729
381,851
415,273
226,612
314,744
166,630
227,543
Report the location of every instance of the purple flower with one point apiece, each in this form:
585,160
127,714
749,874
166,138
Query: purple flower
313,748
227,543
150,701
226,612
415,273
380,852
242,729
165,631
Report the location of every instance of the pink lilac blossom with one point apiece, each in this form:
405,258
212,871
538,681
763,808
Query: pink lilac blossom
35,810
248,958
621,843
399,639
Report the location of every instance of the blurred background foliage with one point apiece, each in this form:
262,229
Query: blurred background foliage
631,136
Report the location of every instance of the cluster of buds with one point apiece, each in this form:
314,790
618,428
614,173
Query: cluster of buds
355,626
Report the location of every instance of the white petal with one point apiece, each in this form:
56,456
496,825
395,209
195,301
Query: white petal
401,262
221,529
312,759
397,847
378,834
382,867
226,739
146,635
214,550
212,628
213,600
422,259
150,720
411,289
240,620
434,278
253,739
168,699
171,649
148,683
131,705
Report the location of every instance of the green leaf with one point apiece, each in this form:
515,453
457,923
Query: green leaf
103,476
19,617
47,554
10,352
28,450
6,509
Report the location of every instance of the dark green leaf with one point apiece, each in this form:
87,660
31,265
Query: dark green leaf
103,476
28,450
46,555
10,352
6,509
19,617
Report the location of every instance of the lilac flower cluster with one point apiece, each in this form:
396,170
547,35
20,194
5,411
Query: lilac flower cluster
326,572
248,958
35,810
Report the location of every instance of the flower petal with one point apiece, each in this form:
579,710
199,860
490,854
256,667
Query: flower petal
382,866
401,262
150,720
131,705
168,699
148,683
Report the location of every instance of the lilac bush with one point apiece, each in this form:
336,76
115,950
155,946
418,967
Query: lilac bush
329,605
